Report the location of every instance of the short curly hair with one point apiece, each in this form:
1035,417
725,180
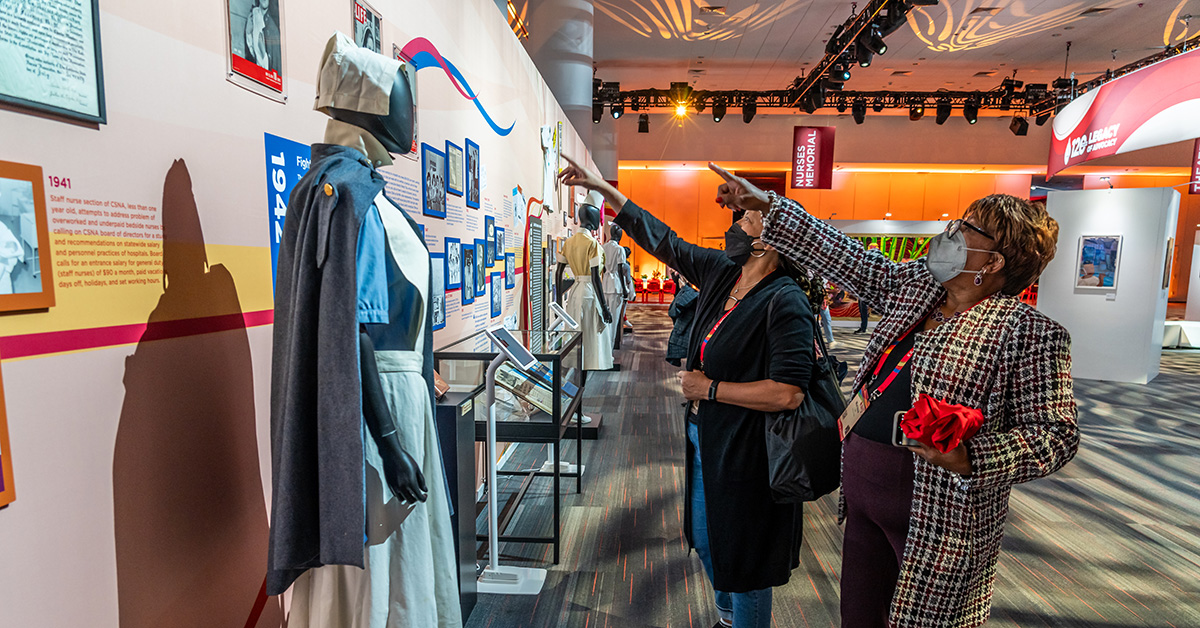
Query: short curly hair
1025,235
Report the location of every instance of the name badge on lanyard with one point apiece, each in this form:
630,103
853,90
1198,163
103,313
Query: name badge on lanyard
854,411
861,400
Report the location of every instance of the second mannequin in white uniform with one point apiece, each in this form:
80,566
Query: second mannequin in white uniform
585,300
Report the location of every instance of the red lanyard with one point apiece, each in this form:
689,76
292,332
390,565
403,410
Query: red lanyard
704,343
896,370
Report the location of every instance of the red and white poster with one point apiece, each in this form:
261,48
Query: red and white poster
1194,188
812,157
256,45
1156,105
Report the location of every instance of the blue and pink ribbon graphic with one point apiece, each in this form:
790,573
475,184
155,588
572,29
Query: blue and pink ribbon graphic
423,54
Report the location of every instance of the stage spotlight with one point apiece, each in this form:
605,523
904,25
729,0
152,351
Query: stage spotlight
635,105
680,92
872,39
842,104
858,109
877,105
617,111
839,73
971,110
749,108
1019,126
719,110
700,105
809,102
835,41
597,112
644,123
681,110
1042,118
943,110
916,110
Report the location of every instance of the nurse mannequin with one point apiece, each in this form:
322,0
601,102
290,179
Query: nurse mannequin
585,298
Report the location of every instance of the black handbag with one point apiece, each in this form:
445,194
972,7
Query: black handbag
804,446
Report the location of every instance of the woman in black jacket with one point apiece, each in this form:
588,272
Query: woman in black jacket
750,353
682,310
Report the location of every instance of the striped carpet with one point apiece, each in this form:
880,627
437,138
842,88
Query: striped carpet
1111,541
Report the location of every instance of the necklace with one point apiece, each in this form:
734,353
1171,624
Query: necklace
937,315
738,289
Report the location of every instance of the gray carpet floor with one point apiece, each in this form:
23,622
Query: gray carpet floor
1111,541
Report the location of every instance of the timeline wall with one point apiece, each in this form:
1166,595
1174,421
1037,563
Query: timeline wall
136,406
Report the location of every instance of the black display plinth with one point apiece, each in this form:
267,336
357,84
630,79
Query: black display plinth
456,433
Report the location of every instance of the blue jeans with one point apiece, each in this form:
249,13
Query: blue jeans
745,610
827,324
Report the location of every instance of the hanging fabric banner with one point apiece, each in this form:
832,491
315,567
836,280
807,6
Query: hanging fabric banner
812,157
1158,104
1194,188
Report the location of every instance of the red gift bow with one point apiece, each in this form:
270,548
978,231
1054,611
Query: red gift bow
940,425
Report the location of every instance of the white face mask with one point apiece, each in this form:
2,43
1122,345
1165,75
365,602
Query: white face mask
947,257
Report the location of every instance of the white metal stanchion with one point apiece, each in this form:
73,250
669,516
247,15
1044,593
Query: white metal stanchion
497,579
563,465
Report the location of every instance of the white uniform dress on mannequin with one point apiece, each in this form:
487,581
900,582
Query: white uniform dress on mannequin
409,577
581,252
614,259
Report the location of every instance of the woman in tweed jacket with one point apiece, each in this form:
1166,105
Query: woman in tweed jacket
973,344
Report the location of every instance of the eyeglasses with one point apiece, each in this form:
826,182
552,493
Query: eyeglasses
954,226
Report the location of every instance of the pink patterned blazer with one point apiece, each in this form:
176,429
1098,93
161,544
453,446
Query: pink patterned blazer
1002,357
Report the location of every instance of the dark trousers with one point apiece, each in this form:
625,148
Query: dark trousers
864,313
878,483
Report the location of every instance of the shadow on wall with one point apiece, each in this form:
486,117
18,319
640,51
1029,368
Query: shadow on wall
188,503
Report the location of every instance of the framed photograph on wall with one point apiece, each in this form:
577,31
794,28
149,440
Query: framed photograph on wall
468,274
473,191
411,72
481,277
510,270
1167,263
433,187
367,26
499,245
454,168
421,231
7,492
489,239
50,55
497,295
1098,261
26,269
454,264
437,300
254,46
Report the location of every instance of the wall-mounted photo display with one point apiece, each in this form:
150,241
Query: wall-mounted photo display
499,245
1167,263
421,231
1099,259
7,492
411,72
454,263
50,58
480,268
510,270
454,168
468,274
433,189
489,238
367,25
497,295
473,192
437,300
26,270
254,46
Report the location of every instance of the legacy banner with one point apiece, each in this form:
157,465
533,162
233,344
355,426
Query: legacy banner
1156,105
812,157
1194,188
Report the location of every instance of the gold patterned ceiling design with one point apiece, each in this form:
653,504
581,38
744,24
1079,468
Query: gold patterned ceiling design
1178,25
683,19
974,24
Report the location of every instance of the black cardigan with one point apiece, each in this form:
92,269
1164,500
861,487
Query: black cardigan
755,543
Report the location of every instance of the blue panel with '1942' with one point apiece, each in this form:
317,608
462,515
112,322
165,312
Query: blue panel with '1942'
287,161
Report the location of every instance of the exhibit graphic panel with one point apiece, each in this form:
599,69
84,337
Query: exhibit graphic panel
26,270
50,58
1098,261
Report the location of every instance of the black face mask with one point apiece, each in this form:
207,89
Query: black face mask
738,244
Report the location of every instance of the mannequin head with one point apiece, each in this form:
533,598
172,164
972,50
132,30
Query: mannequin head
395,129
589,211
615,233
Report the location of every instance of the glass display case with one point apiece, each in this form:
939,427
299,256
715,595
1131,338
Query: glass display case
541,405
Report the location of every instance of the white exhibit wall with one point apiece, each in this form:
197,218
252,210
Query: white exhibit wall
138,412
1193,296
1116,334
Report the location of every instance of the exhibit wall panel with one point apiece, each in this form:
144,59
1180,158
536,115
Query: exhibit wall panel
1116,331
138,404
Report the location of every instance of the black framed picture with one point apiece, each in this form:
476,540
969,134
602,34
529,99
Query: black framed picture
433,188
489,239
50,58
468,274
510,270
498,244
454,168
437,300
481,277
473,192
454,263
367,26
497,296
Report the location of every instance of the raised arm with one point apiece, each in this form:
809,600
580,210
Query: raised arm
870,275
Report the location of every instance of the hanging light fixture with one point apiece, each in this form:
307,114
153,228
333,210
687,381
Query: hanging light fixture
858,110
749,108
971,110
718,110
944,108
644,123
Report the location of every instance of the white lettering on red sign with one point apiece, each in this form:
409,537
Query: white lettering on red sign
1096,140
805,171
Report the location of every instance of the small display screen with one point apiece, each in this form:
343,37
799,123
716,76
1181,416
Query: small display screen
512,348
